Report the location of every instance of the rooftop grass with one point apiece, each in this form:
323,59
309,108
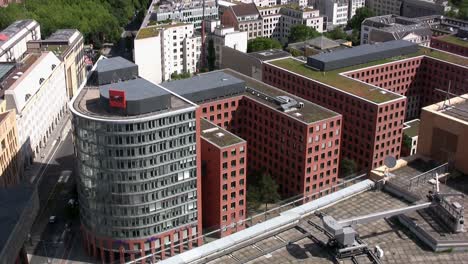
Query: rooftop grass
367,91
222,141
413,129
455,40
147,32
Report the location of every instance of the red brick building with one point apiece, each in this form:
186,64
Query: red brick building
450,43
224,163
373,97
295,141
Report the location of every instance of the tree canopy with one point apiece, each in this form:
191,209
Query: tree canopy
263,190
99,20
301,33
347,167
462,6
261,43
361,14
336,33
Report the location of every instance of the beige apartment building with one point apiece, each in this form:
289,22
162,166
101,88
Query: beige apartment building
68,46
443,132
244,18
10,161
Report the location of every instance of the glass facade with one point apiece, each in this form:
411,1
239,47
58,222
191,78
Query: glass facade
136,179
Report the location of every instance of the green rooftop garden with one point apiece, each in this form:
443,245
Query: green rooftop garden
219,136
455,40
369,92
147,32
413,129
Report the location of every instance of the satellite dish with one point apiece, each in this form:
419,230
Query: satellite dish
390,162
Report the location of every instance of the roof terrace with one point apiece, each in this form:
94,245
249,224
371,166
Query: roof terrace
454,40
308,112
217,135
369,92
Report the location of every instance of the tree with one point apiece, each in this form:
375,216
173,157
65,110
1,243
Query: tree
183,75
361,14
336,33
347,167
262,190
261,43
301,33
211,57
407,141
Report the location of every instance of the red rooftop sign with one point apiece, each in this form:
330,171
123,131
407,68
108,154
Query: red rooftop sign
117,99
3,37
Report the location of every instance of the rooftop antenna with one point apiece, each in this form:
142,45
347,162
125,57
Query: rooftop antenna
447,97
390,162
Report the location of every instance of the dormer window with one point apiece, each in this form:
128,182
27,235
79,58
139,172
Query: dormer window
53,66
41,80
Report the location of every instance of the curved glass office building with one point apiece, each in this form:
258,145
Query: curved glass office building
136,146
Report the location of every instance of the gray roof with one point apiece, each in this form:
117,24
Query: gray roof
5,68
362,50
112,64
15,27
270,54
318,42
135,90
201,82
62,35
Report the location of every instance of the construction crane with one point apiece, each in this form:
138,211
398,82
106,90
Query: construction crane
344,239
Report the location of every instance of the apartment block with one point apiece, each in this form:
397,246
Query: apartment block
13,39
182,11
336,11
295,141
138,165
420,8
278,20
224,181
353,5
374,98
36,90
384,7
167,49
10,159
224,37
244,17
68,46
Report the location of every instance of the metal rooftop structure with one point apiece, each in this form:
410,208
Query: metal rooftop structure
361,54
207,86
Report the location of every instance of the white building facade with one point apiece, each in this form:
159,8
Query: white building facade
225,37
172,49
38,95
278,21
13,39
353,5
336,11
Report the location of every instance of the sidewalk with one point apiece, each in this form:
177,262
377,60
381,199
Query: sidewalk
32,172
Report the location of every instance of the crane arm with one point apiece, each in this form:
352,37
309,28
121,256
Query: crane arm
377,216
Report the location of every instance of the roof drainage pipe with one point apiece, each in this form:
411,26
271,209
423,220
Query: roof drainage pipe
248,236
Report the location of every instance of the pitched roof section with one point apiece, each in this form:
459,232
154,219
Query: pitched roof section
245,10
